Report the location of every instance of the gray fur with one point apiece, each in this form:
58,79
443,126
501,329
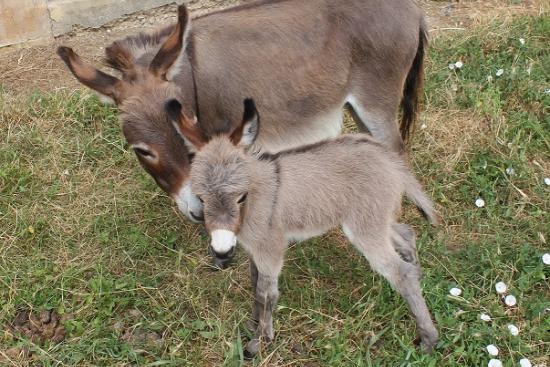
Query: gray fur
351,181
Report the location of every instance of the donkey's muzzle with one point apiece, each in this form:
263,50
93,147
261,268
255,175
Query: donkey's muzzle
221,261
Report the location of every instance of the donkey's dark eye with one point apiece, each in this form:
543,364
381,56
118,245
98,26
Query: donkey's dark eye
191,156
242,199
142,152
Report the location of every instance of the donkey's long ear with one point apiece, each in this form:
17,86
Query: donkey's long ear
245,134
168,54
186,127
91,77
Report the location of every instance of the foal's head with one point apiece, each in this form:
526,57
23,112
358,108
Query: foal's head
149,65
220,174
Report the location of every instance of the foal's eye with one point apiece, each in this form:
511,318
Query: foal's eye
242,199
191,156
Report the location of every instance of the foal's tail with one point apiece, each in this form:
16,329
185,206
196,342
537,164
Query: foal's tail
413,85
415,192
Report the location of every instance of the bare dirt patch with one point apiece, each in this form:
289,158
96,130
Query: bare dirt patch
28,68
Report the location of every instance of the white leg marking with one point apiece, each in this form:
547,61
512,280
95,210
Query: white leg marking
223,240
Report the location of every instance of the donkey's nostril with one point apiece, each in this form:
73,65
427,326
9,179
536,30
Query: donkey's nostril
198,218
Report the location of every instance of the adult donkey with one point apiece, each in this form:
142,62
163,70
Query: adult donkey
301,60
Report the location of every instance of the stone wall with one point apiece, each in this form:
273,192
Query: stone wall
41,20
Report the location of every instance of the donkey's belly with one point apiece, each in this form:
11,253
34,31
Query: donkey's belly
324,126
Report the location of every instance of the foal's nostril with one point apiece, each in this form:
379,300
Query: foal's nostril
198,218
226,255
221,261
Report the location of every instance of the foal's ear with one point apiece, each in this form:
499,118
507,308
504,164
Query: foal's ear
91,77
245,134
168,54
187,128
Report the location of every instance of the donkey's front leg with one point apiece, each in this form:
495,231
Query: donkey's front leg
267,293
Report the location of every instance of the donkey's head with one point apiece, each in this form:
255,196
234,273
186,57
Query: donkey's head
220,174
148,63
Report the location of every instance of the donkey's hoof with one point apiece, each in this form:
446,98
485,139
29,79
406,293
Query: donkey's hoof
252,348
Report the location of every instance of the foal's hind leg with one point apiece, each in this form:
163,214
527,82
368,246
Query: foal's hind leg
404,242
376,245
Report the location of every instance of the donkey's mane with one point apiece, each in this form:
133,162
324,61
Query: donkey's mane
236,8
148,43
139,45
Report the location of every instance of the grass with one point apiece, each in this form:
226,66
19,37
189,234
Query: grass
84,231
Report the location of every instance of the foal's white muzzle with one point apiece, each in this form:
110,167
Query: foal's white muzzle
223,241
189,204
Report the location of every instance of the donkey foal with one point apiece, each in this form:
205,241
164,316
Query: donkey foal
267,201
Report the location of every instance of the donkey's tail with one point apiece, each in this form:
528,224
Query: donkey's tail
415,192
413,85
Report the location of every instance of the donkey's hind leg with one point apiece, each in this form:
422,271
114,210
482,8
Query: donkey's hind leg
376,245
376,111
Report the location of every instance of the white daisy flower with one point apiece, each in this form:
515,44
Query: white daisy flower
510,300
501,287
547,181
513,330
494,363
489,78
492,350
510,171
522,41
499,72
546,259
452,66
524,362
485,317
459,64
455,291
480,203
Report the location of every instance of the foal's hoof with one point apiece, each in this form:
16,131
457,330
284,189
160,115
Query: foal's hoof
252,348
429,341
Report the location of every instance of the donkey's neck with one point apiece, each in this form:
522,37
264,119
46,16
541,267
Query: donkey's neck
183,74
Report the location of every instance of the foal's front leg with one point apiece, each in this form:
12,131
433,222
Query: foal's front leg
252,324
266,296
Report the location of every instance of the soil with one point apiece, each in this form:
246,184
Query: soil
28,68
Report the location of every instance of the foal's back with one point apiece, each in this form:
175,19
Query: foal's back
323,183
